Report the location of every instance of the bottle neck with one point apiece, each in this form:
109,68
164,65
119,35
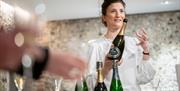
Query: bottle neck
115,71
100,76
122,31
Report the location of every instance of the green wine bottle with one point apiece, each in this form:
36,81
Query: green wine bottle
85,86
117,49
115,82
81,85
100,85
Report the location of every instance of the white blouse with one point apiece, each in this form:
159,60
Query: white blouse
132,72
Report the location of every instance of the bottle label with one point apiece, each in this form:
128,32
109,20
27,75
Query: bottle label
114,53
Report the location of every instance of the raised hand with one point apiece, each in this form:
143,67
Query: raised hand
143,38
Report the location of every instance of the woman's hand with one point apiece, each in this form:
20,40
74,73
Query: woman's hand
143,38
108,65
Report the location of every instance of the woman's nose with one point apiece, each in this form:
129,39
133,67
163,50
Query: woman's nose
118,14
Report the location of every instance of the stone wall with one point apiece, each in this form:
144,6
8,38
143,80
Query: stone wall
164,36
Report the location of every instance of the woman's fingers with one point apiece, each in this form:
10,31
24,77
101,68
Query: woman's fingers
144,34
141,35
119,62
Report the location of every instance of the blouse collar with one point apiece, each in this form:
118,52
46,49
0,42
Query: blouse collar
107,39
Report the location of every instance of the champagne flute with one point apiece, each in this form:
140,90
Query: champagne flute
91,81
19,82
57,83
81,85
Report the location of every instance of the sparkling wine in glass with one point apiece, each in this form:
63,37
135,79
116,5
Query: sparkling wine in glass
19,82
57,83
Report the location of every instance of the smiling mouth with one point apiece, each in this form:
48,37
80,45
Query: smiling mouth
117,20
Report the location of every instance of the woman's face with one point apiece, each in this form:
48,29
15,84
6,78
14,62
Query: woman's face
115,14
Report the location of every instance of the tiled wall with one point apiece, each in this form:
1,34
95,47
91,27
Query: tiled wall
164,37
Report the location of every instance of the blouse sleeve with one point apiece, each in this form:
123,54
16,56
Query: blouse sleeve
145,71
92,57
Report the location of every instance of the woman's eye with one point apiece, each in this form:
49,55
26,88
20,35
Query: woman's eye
113,11
122,11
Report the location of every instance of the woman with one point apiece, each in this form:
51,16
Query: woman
134,67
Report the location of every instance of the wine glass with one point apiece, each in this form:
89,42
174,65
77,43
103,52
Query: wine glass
19,82
79,85
57,83
91,82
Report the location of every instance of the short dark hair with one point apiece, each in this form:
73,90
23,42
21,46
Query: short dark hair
105,5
